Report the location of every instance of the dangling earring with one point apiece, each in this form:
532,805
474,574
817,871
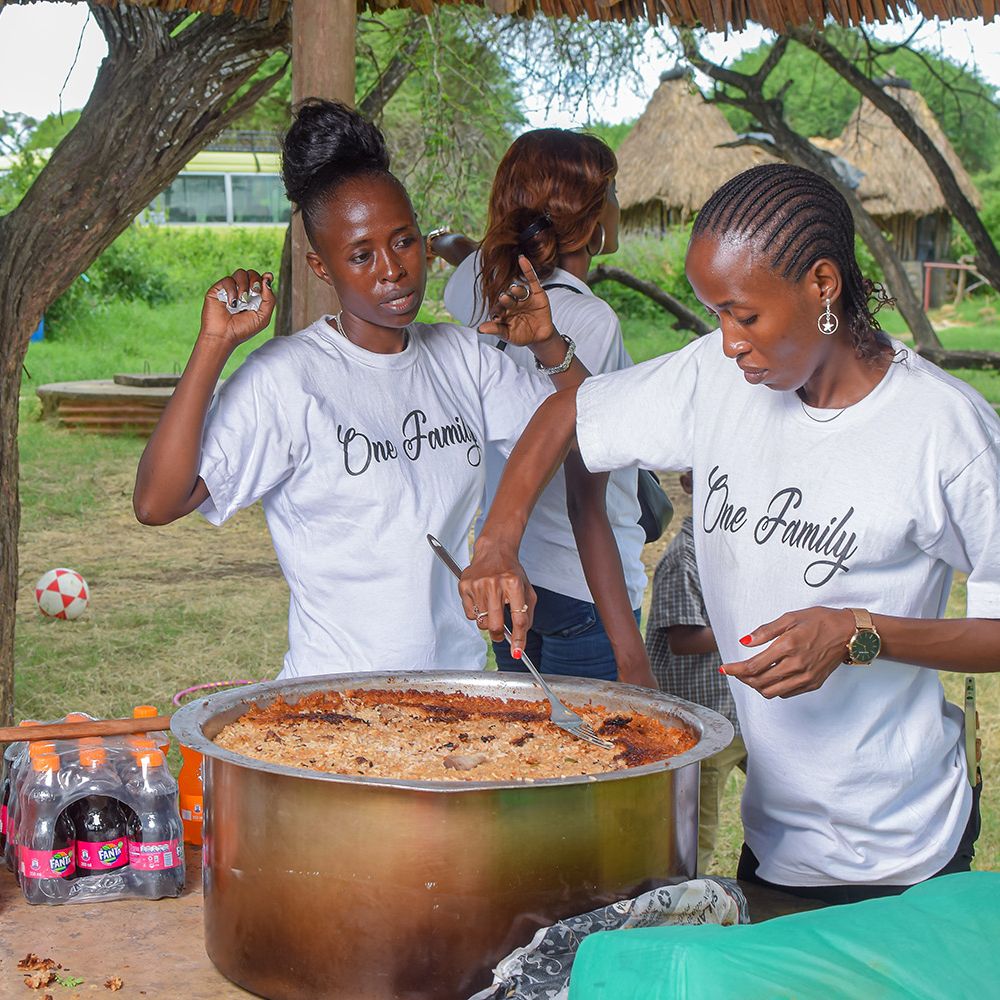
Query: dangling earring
600,249
828,321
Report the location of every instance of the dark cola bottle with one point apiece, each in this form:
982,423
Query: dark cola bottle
155,832
101,838
46,835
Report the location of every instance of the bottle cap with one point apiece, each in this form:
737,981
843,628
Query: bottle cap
29,722
77,717
93,756
145,712
149,758
40,748
141,743
45,762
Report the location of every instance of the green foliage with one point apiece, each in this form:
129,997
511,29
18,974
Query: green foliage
52,129
612,134
157,265
25,166
659,260
820,102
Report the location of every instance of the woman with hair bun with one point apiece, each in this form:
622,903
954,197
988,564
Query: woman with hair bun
361,433
843,478
553,200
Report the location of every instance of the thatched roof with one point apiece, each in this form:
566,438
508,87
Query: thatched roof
716,15
673,154
896,179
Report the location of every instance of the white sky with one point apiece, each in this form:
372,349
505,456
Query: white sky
38,44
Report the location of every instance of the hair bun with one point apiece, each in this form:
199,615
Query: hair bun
328,141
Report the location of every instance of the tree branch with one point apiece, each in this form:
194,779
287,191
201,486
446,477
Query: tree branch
794,148
988,258
686,319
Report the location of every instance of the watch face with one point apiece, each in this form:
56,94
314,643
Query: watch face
865,647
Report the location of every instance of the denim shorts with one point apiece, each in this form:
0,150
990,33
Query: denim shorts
566,637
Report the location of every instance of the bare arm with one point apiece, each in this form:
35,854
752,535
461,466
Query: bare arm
167,484
586,495
451,247
690,640
495,577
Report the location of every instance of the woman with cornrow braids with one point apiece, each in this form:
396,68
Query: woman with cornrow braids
844,478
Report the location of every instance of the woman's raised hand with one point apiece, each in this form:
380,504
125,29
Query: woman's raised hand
522,315
235,328
805,648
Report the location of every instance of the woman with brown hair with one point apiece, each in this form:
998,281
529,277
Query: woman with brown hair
553,200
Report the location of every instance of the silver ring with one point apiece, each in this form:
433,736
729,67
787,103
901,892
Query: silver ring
481,614
522,611
517,283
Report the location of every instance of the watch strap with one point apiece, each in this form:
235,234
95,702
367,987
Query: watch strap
863,619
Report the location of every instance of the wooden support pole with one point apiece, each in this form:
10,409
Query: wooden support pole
323,36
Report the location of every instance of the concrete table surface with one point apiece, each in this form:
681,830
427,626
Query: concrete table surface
157,946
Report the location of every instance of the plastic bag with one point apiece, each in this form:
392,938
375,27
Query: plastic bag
92,819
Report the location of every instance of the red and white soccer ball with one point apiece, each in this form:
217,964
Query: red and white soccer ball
62,593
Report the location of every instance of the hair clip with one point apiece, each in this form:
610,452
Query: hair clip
543,222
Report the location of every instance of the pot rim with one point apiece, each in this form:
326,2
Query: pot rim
715,732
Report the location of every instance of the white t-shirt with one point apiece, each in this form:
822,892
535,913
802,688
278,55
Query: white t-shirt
548,552
356,456
863,780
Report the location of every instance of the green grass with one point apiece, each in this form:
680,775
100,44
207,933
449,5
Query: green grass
122,337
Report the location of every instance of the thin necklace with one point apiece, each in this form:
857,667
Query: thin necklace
820,420
343,332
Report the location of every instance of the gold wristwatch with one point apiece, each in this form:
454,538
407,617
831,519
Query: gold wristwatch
865,644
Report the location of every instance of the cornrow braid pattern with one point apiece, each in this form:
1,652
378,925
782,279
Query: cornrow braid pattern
795,218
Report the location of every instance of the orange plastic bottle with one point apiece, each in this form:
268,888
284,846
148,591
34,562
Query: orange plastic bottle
151,712
191,795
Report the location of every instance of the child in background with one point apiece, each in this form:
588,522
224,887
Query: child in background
686,661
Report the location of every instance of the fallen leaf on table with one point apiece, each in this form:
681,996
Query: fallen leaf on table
115,983
39,980
32,963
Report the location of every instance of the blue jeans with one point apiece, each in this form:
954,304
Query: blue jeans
566,637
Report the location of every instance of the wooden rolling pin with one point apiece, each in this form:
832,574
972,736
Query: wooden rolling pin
79,730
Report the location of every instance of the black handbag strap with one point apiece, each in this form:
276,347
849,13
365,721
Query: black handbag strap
501,344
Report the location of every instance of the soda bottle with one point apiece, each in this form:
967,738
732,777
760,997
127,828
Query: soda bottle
21,771
155,832
192,795
11,752
151,712
46,837
101,840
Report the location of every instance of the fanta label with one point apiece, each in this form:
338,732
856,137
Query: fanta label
154,857
191,807
99,856
46,864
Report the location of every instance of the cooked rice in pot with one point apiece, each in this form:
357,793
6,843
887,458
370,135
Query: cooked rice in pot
432,735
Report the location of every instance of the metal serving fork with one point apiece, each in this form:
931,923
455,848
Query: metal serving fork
560,715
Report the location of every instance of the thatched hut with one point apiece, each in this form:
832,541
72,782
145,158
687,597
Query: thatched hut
897,188
675,157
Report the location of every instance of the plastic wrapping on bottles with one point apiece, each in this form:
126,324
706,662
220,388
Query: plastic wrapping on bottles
92,819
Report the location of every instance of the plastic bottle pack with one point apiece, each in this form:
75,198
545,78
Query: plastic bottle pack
92,819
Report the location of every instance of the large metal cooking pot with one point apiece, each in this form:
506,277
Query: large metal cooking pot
323,885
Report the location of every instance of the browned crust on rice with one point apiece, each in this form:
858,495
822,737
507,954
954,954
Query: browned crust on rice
410,734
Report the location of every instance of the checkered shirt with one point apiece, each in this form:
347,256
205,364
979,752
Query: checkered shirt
677,600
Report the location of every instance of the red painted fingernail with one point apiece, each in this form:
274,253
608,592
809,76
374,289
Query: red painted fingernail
722,670
516,653
746,640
